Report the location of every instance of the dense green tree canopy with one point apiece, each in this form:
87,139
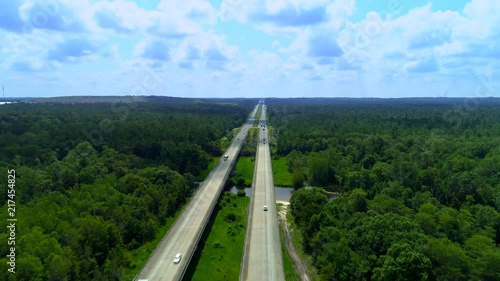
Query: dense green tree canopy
420,192
96,181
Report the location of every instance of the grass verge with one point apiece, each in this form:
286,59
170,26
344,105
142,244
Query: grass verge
220,249
290,274
297,241
281,175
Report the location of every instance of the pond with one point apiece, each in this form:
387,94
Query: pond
282,193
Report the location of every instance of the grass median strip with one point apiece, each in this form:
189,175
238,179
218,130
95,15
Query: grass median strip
243,173
281,175
257,116
220,249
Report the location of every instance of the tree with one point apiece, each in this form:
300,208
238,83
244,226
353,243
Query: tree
450,261
29,268
403,262
321,173
58,268
305,203
427,218
298,179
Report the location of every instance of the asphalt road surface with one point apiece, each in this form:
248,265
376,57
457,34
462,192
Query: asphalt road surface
262,259
185,233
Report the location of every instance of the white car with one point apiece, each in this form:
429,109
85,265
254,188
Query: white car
265,208
178,258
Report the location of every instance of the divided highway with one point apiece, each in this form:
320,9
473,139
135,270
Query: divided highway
185,233
262,258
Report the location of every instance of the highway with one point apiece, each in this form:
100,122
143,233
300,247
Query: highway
184,235
262,258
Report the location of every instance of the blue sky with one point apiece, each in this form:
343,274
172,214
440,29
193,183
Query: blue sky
251,48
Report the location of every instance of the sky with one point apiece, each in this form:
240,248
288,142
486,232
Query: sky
251,48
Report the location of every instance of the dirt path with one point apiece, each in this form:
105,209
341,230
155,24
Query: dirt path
299,267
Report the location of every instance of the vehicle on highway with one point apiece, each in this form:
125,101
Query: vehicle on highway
177,258
265,208
225,157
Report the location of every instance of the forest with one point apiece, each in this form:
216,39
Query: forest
419,185
96,181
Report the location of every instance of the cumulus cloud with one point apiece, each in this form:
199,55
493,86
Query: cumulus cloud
156,50
323,46
338,13
215,54
192,53
426,65
277,13
107,19
292,17
429,39
60,16
206,48
180,18
305,39
72,50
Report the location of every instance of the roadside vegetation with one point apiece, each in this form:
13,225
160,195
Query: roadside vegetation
290,274
139,256
281,175
258,114
419,185
96,183
242,174
221,247
297,240
204,173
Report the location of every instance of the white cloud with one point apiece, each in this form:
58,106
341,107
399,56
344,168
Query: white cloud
59,16
265,66
339,11
120,16
207,49
422,39
326,46
425,65
179,18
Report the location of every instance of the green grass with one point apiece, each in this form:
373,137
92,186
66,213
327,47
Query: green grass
290,274
221,247
203,174
244,169
235,132
281,175
140,255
